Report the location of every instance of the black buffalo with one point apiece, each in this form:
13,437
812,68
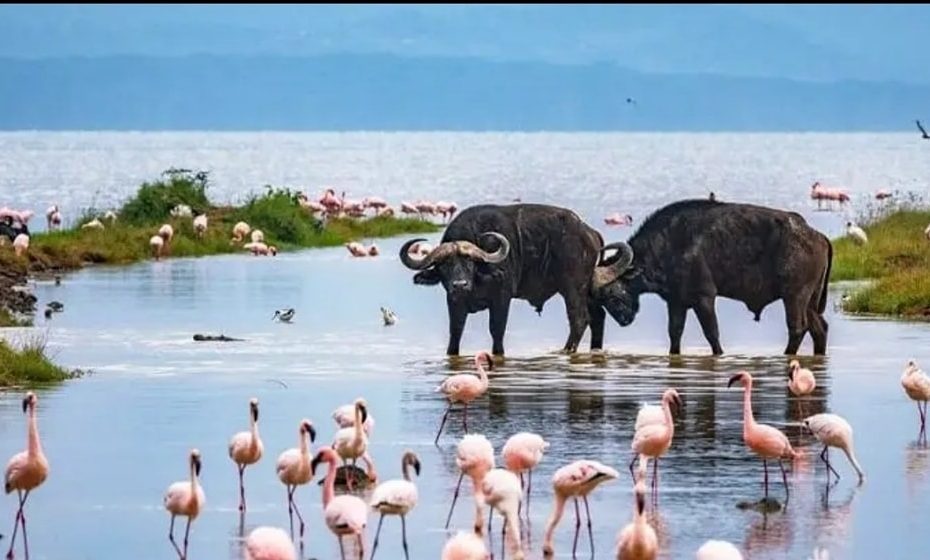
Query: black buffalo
692,251
491,254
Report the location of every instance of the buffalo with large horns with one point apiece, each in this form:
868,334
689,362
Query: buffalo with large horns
491,254
690,252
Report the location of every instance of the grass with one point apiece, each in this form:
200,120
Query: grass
896,260
28,364
276,212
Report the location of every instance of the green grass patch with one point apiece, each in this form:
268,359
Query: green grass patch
7,319
27,364
896,259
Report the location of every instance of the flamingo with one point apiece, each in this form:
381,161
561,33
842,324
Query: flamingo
110,216
93,224
765,441
616,219
522,452
447,209
53,217
718,550
833,430
801,381
464,388
261,249
258,236
245,448
345,515
157,244
21,245
166,232
465,546
356,249
502,492
185,498
638,540
653,437
856,233
295,468
408,208
916,384
27,470
345,417
269,543
373,251
352,443
240,230
575,480
474,457
200,225
374,202
397,497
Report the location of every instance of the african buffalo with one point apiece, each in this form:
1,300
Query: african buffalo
692,251
491,254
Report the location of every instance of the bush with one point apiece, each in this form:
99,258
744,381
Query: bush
28,364
154,201
280,217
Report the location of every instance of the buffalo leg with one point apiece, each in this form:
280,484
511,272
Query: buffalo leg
796,318
497,324
676,326
818,329
597,315
457,316
577,320
707,316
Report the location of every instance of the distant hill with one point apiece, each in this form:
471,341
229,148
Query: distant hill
384,92
816,42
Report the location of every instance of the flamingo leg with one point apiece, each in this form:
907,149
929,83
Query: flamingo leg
241,488
290,507
577,528
465,418
374,545
503,538
825,455
590,530
170,538
655,480
19,514
529,488
454,498
361,546
442,424
297,511
342,551
350,475
784,479
22,520
765,466
633,462
403,532
187,532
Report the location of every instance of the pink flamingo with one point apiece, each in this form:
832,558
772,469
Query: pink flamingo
295,468
26,471
502,491
330,201
916,385
269,543
638,540
345,418
345,515
653,438
465,546
397,497
53,218
446,209
185,498
374,202
575,480
801,381
408,208
616,219
765,441
833,430
356,249
351,443
245,448
475,458
21,245
522,452
464,388
718,550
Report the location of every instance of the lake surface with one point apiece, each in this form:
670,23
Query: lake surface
117,438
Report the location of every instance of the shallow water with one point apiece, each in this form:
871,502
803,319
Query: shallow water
117,438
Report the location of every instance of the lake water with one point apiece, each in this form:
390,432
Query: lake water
117,438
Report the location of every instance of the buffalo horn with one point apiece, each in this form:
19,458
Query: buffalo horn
606,274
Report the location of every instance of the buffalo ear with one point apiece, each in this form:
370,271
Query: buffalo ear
428,277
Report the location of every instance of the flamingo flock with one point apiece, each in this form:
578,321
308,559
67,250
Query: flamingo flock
499,489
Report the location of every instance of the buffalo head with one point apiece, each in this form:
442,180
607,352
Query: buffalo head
454,263
610,285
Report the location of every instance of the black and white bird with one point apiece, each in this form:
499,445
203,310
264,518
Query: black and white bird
56,306
389,317
284,315
922,131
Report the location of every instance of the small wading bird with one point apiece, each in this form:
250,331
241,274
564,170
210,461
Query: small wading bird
833,430
185,498
397,497
464,388
26,471
389,317
284,315
575,480
917,386
245,448
765,441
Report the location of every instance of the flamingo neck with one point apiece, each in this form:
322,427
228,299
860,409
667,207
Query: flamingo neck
358,423
33,447
405,467
479,502
855,463
667,411
254,430
329,486
193,481
554,520
513,530
482,373
748,419
304,447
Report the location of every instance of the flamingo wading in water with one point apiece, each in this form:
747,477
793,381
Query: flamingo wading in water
464,388
475,458
397,497
185,498
269,543
345,515
295,467
26,471
917,386
352,442
638,540
575,480
502,492
245,448
654,433
833,430
522,452
765,441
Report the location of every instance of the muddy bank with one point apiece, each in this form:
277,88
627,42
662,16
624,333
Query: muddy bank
14,297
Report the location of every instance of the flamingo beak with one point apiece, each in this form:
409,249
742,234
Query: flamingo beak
364,411
255,412
316,462
197,465
734,379
640,502
310,430
679,404
416,466
25,404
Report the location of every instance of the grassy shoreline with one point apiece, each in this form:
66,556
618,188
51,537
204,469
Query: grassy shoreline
28,365
896,261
